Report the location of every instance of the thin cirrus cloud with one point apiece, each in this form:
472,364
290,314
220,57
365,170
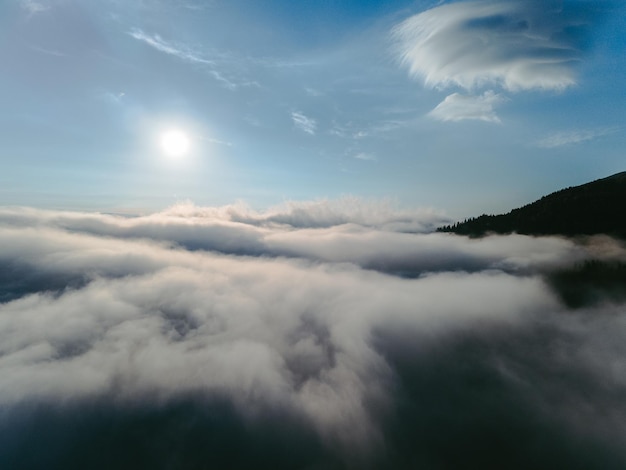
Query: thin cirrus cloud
458,107
369,157
50,52
304,123
33,7
512,45
574,137
158,43
190,55
266,331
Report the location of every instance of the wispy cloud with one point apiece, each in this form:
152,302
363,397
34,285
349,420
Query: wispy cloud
304,123
33,7
223,80
361,131
198,6
115,97
518,45
573,137
158,43
366,156
348,132
212,140
457,107
313,92
191,55
52,52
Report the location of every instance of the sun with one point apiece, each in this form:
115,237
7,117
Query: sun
175,143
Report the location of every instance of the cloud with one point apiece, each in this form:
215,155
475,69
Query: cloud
313,92
516,45
51,52
190,55
166,47
278,339
304,123
33,7
114,97
198,6
565,138
370,235
457,107
366,156
223,80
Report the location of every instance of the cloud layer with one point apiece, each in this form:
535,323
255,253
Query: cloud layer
517,45
330,334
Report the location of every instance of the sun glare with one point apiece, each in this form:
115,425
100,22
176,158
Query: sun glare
175,143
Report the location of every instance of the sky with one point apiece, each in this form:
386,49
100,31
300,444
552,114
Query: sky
462,107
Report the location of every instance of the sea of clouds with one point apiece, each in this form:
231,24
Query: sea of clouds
328,334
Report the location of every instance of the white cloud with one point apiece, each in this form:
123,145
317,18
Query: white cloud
166,47
457,107
33,7
304,123
313,92
348,131
517,45
573,137
366,156
369,235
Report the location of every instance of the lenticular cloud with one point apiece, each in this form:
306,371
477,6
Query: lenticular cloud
516,45
316,335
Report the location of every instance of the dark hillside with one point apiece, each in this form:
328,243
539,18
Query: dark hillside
592,208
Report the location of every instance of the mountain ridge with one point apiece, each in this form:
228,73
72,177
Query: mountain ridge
588,209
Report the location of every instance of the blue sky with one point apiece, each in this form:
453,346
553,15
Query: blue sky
466,107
